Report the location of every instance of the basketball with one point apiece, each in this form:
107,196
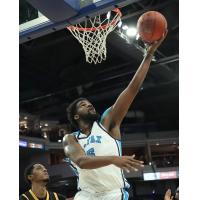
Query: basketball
151,26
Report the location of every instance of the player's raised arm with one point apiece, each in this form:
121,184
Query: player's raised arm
74,151
123,102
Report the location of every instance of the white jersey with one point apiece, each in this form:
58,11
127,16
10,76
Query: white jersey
104,179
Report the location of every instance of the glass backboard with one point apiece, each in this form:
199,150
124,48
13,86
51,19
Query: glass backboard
38,18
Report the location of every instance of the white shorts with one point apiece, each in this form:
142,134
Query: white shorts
119,194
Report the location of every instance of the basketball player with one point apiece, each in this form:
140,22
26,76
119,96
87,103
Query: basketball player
168,195
37,176
95,150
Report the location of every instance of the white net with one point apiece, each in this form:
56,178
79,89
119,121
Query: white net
92,35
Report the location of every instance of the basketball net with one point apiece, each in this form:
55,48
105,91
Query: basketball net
92,34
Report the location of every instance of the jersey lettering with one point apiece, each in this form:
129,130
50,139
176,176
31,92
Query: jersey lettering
93,139
90,152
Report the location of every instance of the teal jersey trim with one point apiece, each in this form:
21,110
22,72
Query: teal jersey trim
104,114
125,195
75,134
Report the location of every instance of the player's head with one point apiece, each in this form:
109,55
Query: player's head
81,110
36,173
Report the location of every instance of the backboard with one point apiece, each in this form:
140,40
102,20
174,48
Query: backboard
56,15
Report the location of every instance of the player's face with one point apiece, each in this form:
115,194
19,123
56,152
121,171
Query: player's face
40,173
86,111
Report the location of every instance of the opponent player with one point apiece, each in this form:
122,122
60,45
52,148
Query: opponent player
37,176
95,150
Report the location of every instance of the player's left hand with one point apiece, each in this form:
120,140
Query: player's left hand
151,48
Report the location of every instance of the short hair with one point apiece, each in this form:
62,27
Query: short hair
71,111
28,171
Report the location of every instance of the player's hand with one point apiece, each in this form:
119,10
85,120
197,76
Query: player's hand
128,163
151,48
168,195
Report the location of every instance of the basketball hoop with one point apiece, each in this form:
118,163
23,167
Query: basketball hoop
92,34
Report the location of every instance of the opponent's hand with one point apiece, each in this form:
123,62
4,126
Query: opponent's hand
128,163
168,195
151,48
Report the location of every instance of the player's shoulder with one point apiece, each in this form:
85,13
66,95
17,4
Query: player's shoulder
61,197
24,196
105,115
70,137
54,195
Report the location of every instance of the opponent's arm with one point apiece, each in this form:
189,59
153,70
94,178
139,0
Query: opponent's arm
74,151
123,102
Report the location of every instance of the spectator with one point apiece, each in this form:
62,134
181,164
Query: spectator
168,195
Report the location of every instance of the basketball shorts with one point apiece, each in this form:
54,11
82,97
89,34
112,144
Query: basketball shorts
119,194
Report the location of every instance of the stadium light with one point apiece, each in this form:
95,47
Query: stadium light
131,32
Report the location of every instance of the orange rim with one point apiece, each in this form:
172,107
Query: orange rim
103,27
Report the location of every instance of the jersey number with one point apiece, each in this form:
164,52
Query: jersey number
90,152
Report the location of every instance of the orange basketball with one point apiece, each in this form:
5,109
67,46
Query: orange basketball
151,26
